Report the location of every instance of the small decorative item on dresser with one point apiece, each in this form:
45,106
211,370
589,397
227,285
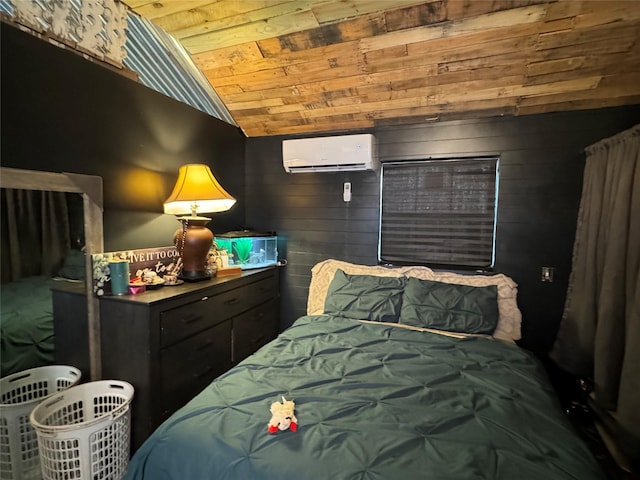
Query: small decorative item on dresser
135,288
172,273
152,279
137,285
119,269
211,267
233,270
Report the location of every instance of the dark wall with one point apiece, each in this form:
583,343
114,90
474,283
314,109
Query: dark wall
61,112
541,165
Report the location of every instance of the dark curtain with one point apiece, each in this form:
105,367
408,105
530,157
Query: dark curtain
35,233
599,336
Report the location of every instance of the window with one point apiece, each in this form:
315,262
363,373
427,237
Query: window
439,212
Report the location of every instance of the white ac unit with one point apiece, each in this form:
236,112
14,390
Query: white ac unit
330,154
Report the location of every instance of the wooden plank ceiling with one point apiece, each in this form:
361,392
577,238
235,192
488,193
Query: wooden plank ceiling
302,67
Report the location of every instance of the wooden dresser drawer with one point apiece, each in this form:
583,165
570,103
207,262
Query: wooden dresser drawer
242,299
253,329
262,290
190,365
183,321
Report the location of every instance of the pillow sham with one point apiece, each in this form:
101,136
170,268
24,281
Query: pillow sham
365,297
322,274
450,307
509,321
510,318
73,267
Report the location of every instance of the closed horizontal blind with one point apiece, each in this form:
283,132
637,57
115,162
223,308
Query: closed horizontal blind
439,212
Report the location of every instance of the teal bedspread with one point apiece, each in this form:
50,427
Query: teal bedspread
373,401
26,324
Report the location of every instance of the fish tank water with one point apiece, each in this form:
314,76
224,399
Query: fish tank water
249,249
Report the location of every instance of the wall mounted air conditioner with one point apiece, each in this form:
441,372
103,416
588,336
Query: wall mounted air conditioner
330,154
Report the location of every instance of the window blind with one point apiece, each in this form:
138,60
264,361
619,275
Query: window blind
439,212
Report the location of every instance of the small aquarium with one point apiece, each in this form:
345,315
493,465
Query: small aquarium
249,249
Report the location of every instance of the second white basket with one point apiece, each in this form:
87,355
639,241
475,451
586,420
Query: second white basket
84,432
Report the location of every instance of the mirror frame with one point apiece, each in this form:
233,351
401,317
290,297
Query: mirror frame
90,187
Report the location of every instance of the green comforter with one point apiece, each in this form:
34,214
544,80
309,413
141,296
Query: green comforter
373,401
26,324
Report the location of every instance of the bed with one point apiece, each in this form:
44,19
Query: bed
26,324
395,373
47,220
26,317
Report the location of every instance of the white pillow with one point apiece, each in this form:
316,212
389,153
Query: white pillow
510,317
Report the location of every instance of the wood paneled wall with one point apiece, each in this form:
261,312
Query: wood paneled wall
541,165
62,113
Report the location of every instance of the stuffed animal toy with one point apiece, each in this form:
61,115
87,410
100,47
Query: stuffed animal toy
282,416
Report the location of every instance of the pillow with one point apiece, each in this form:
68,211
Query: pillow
365,297
509,321
445,306
322,274
73,267
510,318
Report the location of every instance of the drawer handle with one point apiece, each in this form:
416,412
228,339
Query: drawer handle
191,319
258,339
232,301
257,316
203,373
203,346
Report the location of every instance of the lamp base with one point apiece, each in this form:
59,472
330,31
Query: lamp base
195,276
193,242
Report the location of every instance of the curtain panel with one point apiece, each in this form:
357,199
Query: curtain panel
35,233
599,334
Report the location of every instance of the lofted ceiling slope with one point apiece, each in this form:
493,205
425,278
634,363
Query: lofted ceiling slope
302,67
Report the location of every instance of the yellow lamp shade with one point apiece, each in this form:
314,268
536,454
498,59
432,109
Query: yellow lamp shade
197,190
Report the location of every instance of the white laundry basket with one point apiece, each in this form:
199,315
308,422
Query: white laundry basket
84,431
20,393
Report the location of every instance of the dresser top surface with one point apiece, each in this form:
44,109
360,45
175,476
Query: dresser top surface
169,292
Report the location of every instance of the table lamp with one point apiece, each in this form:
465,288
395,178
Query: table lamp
196,190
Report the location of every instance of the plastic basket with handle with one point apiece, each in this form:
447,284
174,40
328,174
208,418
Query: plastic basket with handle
20,393
84,431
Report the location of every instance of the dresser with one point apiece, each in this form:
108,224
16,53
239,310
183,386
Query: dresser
171,342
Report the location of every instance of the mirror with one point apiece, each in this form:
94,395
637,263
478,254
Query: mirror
90,188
